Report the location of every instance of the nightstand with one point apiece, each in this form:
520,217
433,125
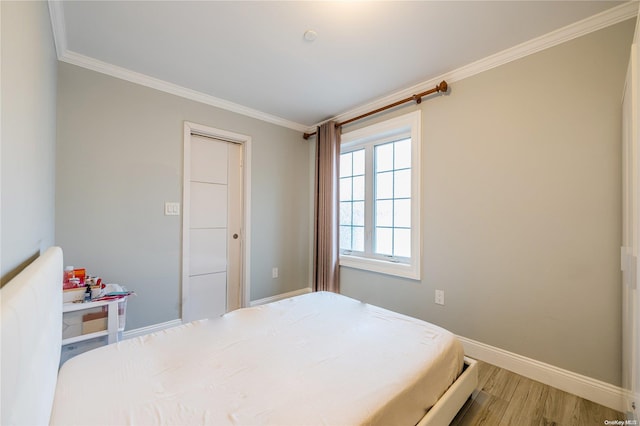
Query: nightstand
112,320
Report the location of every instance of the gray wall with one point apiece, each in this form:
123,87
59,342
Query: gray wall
28,134
521,208
119,158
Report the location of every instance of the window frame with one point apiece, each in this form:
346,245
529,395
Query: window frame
407,125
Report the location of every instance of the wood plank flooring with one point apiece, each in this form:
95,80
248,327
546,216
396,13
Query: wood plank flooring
507,399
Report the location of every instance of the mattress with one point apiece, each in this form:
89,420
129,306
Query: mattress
316,359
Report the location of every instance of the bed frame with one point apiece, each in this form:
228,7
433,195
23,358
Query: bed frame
443,412
31,338
32,335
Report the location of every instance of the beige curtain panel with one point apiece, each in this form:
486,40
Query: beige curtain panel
326,254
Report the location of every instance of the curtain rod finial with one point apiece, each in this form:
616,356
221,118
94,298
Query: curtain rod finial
443,86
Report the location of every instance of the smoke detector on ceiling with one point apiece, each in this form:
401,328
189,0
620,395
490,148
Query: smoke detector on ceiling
310,35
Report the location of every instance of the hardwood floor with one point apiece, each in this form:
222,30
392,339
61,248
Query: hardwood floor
506,398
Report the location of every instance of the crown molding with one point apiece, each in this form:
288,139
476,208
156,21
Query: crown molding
83,61
56,13
596,22
604,19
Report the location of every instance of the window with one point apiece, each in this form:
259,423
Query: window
380,197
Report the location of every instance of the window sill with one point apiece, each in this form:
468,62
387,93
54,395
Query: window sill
403,270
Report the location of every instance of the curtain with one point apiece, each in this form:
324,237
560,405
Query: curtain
326,271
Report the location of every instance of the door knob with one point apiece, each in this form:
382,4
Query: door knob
235,236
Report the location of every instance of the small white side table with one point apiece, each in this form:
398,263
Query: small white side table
112,320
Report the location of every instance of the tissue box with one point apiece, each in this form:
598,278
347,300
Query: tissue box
95,321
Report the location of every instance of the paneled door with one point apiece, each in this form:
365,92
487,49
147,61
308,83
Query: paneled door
213,224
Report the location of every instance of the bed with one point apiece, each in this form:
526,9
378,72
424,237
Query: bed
319,358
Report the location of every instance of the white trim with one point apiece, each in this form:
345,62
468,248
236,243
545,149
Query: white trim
280,296
636,34
246,142
246,182
58,27
367,138
594,23
137,332
585,387
629,400
74,58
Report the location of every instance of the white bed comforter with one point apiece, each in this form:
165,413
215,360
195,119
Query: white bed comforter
320,358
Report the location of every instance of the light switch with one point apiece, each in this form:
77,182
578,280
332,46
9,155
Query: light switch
171,209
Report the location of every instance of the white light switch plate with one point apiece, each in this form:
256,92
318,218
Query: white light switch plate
171,209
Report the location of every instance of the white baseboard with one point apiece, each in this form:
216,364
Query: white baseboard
280,296
585,387
129,334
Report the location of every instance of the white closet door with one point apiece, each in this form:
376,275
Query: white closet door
214,246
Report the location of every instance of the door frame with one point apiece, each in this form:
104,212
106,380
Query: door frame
630,256
245,233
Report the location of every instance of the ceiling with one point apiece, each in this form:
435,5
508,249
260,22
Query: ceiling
253,55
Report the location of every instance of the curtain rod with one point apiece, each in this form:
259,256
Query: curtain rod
442,87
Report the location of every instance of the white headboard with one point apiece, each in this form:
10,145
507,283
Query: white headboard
31,338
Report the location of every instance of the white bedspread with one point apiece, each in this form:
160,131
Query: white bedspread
320,358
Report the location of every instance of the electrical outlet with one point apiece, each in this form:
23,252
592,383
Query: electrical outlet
274,272
439,299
